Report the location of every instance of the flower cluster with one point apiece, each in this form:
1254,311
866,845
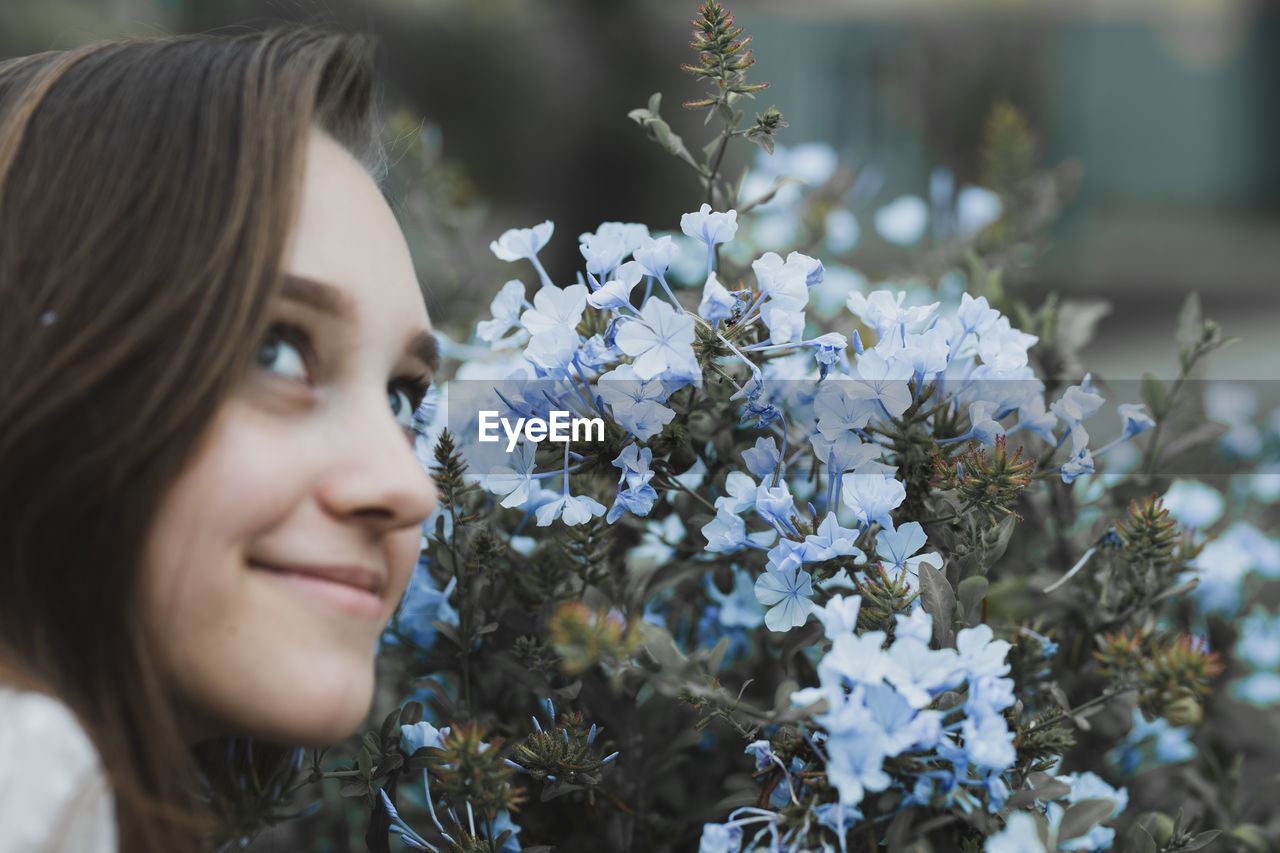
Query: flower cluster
839,565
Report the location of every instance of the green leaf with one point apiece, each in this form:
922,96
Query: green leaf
1180,589
996,540
365,762
1077,322
389,724
389,764
970,594
1083,816
371,743
782,696
351,788
1202,840
763,140
411,714
1155,395
939,601
1252,836
1190,321
1052,790
1140,841
659,131
716,658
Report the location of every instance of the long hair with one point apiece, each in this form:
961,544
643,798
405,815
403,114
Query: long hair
147,192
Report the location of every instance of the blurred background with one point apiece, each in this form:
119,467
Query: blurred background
1170,109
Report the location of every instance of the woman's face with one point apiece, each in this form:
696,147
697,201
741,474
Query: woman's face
281,551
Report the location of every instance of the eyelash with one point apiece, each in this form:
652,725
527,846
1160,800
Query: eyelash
416,387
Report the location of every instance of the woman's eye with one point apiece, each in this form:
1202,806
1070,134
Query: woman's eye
401,406
279,356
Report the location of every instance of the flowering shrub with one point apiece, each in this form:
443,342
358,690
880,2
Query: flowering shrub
805,564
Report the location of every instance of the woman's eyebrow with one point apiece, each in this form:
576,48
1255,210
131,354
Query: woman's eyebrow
330,300
424,347
323,297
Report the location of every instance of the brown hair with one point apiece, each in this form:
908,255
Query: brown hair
147,192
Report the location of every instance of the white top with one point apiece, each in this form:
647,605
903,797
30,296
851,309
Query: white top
54,795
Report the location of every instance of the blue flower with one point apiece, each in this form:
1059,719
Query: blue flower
1018,836
843,450
879,389
1078,403
982,426
501,823
1079,463
717,302
423,605
638,497
505,307
616,293
611,242
831,540
515,480
556,310
980,654
418,735
975,315
1134,418
763,459
839,616
775,504
522,243
636,403
988,743
1089,786
1193,503
655,254
976,208
872,497
1261,689
1150,745
920,673
897,547
1259,642
635,462
725,533
1003,347
710,228
831,348
787,595
574,510
720,838
637,500
903,220
740,493
883,310
739,608
661,341
838,411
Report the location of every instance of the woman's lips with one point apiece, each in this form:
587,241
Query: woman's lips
353,589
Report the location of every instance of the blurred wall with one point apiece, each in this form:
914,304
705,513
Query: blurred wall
1170,106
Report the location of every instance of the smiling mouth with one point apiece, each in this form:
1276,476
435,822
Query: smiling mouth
354,589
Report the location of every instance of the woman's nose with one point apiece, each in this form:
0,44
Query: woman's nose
376,476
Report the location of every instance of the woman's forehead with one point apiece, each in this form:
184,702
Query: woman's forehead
346,236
